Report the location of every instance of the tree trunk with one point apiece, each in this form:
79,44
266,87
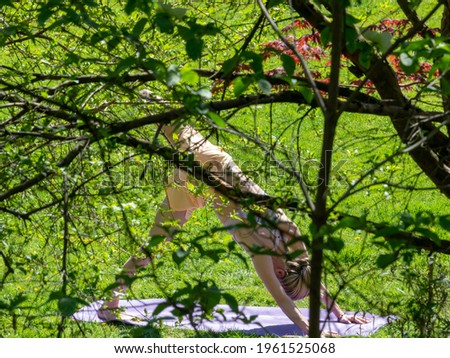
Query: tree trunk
432,156
445,81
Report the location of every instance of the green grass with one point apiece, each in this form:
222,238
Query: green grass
378,291
99,243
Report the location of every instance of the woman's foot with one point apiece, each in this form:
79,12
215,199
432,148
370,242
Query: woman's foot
109,311
118,315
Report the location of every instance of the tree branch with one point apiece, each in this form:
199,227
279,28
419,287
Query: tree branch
320,215
433,156
44,174
412,16
408,238
245,198
309,77
9,268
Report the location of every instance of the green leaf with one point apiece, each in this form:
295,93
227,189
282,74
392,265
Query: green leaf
125,64
365,54
288,64
105,191
113,43
194,48
231,302
45,13
256,62
351,39
218,120
307,93
158,68
180,255
99,36
335,244
130,6
385,260
177,12
440,50
407,220
352,223
210,298
189,76
67,306
161,307
6,3
444,222
408,63
164,23
230,64
445,86
406,60
55,295
210,29
381,40
139,27
415,46
429,234
424,218
173,76
185,32
202,108
264,86
325,36
194,104
240,85
90,3
16,301
156,240
204,93
388,231
273,3
143,5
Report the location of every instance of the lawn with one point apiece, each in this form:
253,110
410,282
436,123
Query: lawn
112,214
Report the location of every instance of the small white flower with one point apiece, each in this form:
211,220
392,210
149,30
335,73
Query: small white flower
130,205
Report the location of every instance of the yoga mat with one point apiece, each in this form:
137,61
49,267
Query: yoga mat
269,320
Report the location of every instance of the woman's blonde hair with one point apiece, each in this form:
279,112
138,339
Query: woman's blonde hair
297,280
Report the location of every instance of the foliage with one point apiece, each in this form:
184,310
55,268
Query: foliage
351,139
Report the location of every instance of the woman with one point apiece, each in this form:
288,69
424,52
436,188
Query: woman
286,280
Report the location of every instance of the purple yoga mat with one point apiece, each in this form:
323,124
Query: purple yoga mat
269,320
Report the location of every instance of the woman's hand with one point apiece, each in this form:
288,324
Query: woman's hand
328,334
353,319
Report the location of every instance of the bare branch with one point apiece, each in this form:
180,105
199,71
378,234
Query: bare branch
409,238
433,157
245,198
9,268
309,77
43,175
44,135
412,16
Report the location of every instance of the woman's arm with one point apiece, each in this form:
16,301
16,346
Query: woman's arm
332,305
264,268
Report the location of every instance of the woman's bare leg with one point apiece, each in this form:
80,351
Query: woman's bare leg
135,263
